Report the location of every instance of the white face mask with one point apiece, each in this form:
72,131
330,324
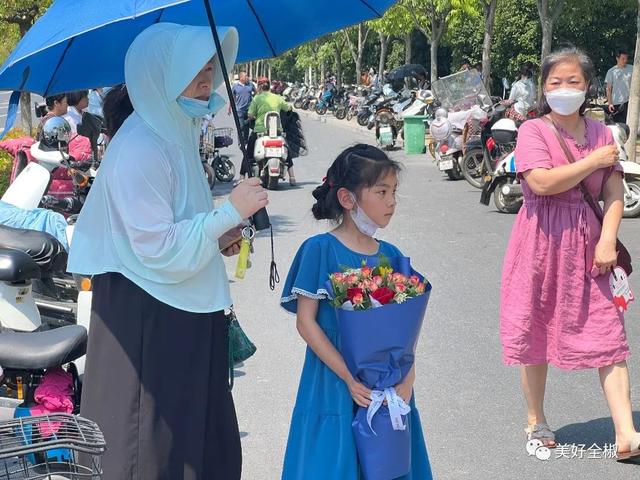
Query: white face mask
362,221
565,101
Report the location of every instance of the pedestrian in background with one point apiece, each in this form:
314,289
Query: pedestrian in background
618,84
556,305
243,92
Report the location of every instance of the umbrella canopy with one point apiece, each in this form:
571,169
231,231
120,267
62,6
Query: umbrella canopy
82,44
409,70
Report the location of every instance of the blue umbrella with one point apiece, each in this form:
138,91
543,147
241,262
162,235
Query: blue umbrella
79,44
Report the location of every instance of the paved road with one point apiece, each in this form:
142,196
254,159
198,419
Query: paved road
471,405
4,104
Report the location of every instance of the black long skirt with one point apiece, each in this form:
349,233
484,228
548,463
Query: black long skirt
156,382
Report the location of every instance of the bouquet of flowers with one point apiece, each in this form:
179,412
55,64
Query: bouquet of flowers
380,308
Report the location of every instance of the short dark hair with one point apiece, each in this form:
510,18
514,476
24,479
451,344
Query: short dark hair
621,51
356,168
116,108
526,70
565,55
74,98
50,101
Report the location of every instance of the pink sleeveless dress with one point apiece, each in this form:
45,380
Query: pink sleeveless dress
551,309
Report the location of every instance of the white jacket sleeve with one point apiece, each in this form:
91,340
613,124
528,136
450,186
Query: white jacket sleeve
143,199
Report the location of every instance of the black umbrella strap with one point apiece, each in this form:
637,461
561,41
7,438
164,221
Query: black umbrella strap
274,276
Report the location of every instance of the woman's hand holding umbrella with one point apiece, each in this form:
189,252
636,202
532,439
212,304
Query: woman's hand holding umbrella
248,197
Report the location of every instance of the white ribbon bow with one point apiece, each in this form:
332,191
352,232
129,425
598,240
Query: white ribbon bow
397,407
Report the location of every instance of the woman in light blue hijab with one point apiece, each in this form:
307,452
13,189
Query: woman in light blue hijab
156,379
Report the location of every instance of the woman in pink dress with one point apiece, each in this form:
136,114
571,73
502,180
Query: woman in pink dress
556,305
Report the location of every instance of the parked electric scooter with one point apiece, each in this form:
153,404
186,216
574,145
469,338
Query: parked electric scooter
505,186
60,296
631,170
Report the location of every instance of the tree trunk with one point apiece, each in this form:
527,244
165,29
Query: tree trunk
337,53
25,113
548,16
634,97
269,76
359,57
25,97
407,48
358,51
384,46
438,26
490,17
547,38
434,61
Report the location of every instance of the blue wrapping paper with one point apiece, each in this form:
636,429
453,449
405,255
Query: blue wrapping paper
378,346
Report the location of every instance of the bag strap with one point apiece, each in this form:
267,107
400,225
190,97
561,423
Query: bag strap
595,206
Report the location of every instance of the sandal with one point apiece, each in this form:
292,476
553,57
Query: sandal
542,432
632,456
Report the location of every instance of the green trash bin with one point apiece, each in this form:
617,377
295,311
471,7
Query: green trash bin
414,134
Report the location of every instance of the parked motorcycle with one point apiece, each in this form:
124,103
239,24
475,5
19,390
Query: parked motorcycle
483,153
300,96
446,147
505,186
354,103
216,166
368,109
270,153
326,101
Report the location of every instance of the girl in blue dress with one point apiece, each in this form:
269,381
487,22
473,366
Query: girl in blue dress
359,194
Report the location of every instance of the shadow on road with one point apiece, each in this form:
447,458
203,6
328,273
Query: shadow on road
599,431
282,225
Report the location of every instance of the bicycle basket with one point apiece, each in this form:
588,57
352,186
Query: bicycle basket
49,447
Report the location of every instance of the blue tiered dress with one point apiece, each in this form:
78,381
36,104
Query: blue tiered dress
321,444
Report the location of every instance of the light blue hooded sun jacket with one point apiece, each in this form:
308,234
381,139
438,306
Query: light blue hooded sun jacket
150,214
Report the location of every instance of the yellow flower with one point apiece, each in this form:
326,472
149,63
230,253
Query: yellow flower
384,271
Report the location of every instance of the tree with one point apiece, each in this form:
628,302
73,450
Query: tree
431,17
357,50
549,11
490,7
23,13
396,22
616,20
634,97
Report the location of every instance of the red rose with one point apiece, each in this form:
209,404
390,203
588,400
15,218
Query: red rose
352,292
383,295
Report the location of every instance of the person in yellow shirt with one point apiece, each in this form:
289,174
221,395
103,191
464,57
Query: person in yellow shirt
262,103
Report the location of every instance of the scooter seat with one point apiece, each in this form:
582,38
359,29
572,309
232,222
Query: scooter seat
17,266
42,349
42,247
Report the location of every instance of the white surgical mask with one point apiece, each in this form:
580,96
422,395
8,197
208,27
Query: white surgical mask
362,221
565,101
